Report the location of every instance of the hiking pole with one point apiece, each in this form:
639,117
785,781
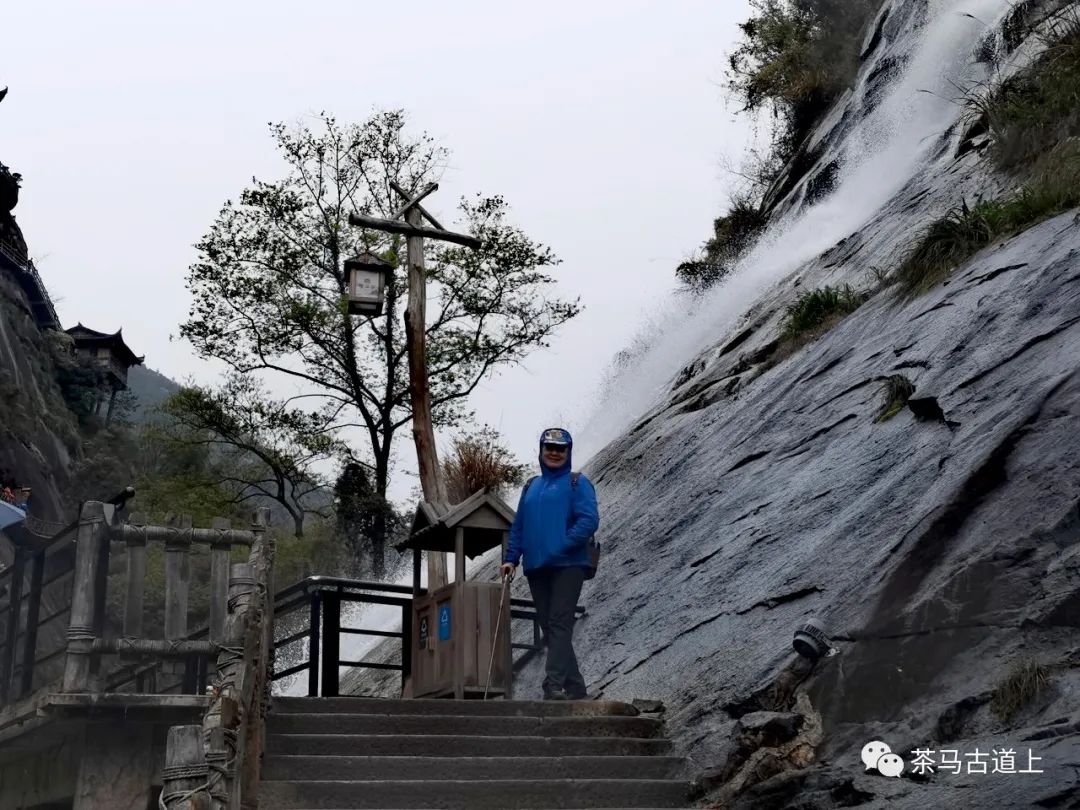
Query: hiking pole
506,578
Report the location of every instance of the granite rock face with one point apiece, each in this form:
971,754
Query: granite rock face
935,554
38,434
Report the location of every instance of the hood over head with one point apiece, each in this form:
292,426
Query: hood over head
556,436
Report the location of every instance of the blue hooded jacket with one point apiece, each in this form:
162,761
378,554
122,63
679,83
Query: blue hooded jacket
554,520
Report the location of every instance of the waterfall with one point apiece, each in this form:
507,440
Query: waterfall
880,154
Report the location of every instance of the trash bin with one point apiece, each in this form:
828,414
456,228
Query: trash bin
461,630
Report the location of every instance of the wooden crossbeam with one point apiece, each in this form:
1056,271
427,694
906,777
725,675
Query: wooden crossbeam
126,533
405,195
415,200
397,226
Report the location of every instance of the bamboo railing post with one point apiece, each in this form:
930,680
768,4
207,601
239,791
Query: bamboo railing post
136,579
92,532
177,576
219,581
184,777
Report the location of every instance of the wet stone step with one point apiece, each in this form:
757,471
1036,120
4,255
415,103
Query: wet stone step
365,768
461,746
482,708
328,723
509,794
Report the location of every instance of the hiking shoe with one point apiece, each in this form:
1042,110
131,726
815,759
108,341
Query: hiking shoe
555,694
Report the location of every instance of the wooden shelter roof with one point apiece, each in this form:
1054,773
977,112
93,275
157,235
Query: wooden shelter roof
483,515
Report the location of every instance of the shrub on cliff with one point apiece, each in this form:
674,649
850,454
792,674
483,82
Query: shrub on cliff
796,58
897,390
733,234
1025,682
1034,121
1032,111
964,231
817,308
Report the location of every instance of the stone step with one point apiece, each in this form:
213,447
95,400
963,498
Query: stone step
331,723
364,768
506,794
485,708
461,746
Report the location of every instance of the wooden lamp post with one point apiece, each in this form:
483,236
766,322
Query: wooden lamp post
409,221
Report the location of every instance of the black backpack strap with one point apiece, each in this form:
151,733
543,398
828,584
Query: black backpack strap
574,478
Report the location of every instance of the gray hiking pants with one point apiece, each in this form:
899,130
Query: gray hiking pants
555,593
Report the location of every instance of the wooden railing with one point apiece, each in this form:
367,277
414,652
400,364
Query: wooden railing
233,653
87,641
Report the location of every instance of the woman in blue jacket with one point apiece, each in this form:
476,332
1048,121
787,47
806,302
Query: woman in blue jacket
556,516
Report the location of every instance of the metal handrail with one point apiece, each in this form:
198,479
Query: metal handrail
12,251
323,595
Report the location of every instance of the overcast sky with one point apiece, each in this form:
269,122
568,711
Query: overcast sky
604,124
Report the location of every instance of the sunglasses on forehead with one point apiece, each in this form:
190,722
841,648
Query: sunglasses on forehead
555,448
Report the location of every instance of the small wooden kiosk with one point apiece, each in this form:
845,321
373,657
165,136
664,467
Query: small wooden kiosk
454,627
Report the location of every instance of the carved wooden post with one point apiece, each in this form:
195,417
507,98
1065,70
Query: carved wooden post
92,533
184,776
136,580
219,755
231,657
262,558
222,722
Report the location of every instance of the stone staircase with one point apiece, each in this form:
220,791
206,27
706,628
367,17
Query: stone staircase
366,753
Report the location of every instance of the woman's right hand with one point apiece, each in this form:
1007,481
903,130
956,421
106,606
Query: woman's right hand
507,571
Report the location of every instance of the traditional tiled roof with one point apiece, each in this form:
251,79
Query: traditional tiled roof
87,338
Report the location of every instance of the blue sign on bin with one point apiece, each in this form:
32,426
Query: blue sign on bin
444,623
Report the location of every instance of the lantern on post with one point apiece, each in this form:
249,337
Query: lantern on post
367,275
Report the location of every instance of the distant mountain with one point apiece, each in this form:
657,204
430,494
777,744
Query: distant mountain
150,388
